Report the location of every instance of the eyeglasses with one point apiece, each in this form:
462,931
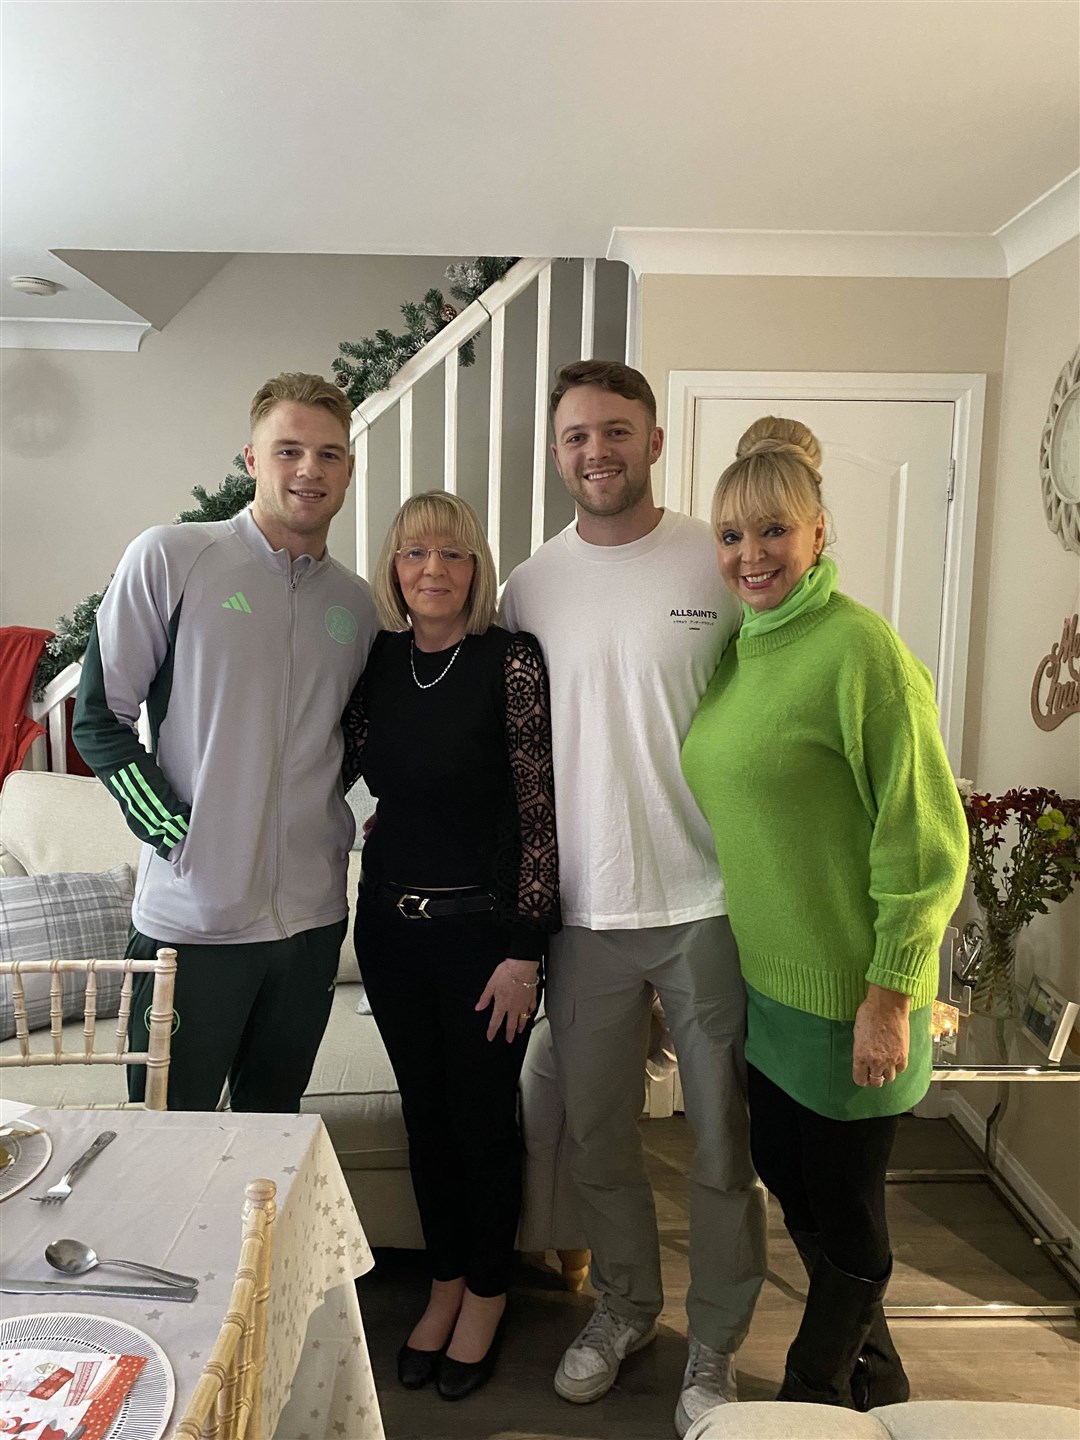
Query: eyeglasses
449,554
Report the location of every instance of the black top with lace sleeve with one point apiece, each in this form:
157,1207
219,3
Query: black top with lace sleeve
462,774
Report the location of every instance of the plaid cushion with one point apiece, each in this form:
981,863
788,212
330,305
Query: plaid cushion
63,917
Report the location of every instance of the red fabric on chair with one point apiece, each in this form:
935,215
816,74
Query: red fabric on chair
20,651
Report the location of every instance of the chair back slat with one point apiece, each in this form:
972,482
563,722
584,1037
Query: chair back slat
90,1012
18,995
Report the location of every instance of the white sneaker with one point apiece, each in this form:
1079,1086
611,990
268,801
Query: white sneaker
708,1381
591,1363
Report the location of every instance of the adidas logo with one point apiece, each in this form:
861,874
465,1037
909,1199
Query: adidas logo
236,602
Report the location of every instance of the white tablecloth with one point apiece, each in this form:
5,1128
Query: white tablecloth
169,1190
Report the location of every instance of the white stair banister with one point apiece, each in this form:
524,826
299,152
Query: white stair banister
543,346
444,349
360,483
450,423
405,413
588,309
495,432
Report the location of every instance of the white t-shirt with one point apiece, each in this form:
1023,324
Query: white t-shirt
632,635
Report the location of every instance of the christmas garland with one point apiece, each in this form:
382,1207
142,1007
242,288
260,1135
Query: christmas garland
369,365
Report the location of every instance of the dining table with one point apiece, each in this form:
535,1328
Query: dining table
169,1191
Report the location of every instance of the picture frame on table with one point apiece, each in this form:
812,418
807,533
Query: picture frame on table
1047,1017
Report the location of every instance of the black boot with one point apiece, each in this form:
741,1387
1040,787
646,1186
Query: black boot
834,1328
879,1377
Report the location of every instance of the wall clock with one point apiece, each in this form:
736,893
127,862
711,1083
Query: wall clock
1059,457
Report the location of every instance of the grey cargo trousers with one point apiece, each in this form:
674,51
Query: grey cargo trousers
599,996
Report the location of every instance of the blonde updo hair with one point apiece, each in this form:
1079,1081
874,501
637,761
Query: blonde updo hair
775,476
436,512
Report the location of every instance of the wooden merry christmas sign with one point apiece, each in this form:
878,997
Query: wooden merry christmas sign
1055,691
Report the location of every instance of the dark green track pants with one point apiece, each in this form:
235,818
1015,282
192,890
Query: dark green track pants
251,1014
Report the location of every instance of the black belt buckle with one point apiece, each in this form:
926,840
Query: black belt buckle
421,903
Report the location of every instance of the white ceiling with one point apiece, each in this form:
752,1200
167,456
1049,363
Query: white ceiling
524,128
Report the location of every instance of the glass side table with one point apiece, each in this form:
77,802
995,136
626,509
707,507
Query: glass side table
980,1050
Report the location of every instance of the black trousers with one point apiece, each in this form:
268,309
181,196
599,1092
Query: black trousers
458,1089
828,1175
254,1014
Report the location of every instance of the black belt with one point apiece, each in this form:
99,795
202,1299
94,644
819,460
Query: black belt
434,904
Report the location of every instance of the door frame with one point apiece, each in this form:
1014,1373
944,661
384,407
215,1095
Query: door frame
967,393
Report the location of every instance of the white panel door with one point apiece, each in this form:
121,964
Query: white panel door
885,466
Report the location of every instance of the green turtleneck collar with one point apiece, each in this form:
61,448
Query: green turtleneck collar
811,592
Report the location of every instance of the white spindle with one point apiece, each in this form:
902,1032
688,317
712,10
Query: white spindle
450,418
360,490
543,346
495,429
405,409
588,309
632,336
58,737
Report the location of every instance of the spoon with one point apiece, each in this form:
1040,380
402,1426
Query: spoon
75,1258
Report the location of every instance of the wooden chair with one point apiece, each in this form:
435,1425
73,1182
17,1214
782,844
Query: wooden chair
155,1057
227,1403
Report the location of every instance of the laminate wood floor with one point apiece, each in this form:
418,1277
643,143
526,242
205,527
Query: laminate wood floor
952,1242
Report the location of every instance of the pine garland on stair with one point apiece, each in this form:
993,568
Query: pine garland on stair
377,360
369,365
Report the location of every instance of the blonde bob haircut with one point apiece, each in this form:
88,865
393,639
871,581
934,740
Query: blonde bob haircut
775,476
436,513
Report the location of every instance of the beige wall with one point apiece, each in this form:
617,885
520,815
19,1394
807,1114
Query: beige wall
95,447
1018,334
1031,583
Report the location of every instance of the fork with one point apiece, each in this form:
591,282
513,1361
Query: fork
62,1189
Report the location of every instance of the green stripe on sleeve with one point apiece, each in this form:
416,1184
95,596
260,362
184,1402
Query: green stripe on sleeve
171,821
162,824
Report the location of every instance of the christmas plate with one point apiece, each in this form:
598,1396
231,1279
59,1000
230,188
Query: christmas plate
145,1410
29,1156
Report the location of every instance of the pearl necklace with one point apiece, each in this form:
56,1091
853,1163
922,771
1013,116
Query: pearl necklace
412,664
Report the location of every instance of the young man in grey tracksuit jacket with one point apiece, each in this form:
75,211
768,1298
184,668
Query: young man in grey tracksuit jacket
245,640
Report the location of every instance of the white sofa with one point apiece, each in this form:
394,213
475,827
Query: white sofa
51,823
917,1420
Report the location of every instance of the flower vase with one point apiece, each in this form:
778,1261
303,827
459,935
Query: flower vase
995,983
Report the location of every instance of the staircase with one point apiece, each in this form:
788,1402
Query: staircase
494,449
507,474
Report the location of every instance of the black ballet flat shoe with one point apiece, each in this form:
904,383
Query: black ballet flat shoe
458,1378
415,1368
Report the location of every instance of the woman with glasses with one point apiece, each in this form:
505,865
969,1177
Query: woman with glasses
450,728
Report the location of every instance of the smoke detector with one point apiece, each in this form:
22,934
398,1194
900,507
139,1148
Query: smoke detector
34,285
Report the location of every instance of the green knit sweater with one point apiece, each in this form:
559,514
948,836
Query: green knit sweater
816,758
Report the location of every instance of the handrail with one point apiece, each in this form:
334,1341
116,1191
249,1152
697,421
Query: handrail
462,328
59,689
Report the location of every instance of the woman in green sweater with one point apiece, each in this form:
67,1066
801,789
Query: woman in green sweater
815,756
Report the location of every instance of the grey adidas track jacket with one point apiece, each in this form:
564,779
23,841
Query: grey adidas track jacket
246,661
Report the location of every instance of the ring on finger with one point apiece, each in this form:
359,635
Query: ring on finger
877,1080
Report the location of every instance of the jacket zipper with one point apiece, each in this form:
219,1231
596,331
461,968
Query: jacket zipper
294,580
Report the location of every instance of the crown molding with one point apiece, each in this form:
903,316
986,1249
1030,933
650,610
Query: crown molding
1047,223
807,252
53,334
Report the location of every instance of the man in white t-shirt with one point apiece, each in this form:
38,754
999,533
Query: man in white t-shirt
631,612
